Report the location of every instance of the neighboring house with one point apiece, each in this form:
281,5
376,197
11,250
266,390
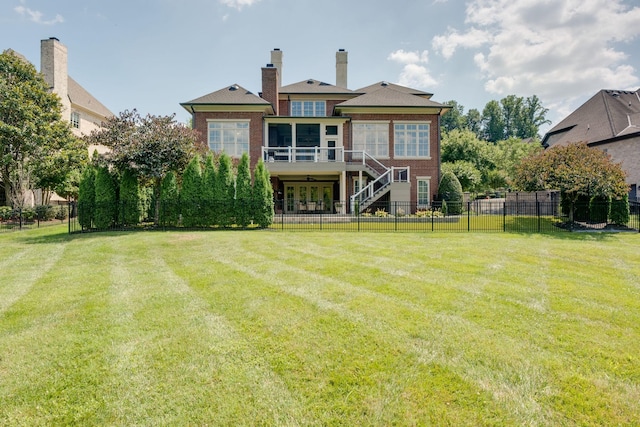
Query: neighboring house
329,148
81,109
609,121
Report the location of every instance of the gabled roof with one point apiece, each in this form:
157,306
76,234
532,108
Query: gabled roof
80,97
388,96
609,114
311,86
230,95
403,89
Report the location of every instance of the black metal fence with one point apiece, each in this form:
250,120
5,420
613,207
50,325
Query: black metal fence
32,217
488,215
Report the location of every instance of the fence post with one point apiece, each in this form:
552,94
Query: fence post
538,211
395,217
432,211
20,216
504,216
468,216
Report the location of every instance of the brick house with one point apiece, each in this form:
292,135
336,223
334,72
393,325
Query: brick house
609,121
328,148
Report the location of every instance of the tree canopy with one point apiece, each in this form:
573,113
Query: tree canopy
149,146
575,169
37,148
511,117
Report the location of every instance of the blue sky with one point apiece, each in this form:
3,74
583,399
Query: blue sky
152,55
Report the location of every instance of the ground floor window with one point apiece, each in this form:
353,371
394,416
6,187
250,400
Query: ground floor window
232,137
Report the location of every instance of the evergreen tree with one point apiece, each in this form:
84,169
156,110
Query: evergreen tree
106,199
190,195
87,197
262,196
620,210
243,193
208,192
169,207
130,210
450,191
225,191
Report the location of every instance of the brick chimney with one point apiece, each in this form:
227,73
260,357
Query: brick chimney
270,86
53,66
341,68
276,60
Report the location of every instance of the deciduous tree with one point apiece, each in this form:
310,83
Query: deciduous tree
37,148
149,146
576,170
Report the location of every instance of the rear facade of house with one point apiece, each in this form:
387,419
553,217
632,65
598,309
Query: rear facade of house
329,149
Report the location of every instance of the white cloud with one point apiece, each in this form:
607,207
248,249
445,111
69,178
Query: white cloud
36,16
413,73
238,4
556,50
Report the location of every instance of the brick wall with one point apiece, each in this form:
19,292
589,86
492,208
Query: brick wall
256,133
418,167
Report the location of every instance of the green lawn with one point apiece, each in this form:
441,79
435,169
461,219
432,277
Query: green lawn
319,328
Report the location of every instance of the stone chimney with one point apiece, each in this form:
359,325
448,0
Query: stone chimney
53,66
341,68
276,60
270,86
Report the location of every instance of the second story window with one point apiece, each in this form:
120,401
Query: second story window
308,108
75,120
231,137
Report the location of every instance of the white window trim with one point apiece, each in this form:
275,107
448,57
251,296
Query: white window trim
372,122
247,121
412,122
75,123
302,101
428,180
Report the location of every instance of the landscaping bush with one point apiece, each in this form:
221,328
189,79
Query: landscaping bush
190,195
62,212
262,196
242,206
28,214
450,191
130,211
620,211
45,212
169,209
6,213
106,208
87,197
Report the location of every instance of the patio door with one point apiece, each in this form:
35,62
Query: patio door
308,197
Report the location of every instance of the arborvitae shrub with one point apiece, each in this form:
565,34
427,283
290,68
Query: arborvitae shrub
190,194
106,199
450,191
208,192
225,191
242,206
620,211
130,211
262,196
169,208
87,197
